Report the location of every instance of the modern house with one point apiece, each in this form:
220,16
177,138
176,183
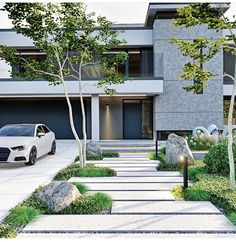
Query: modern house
152,100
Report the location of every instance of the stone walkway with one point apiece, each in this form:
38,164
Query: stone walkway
18,181
143,203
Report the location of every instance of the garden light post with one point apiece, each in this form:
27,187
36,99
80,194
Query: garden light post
184,161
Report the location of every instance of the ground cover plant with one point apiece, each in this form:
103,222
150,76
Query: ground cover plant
74,170
200,142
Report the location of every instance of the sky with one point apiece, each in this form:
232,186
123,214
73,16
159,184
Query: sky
118,12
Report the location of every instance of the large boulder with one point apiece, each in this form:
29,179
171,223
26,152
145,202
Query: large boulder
58,195
93,149
177,146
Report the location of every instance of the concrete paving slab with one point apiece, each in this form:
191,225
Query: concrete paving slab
144,174
134,165
139,195
117,179
123,161
128,223
130,186
197,237
134,169
163,207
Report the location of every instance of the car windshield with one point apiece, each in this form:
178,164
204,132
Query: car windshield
17,130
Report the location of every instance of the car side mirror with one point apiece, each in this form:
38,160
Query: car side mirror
41,134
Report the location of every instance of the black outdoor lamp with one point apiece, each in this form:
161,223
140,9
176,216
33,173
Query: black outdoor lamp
184,162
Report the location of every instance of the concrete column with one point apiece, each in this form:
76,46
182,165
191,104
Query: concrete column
95,117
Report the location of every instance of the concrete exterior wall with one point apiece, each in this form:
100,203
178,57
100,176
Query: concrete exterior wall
5,69
176,109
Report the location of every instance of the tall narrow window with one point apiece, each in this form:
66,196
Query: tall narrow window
134,63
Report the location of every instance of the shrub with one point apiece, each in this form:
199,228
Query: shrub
178,192
196,169
21,215
91,157
110,154
7,232
161,155
90,170
200,142
218,187
81,187
92,204
196,194
232,217
164,166
94,171
216,159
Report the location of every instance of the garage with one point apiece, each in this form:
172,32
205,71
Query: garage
52,111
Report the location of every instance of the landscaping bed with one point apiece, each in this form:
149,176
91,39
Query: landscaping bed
209,177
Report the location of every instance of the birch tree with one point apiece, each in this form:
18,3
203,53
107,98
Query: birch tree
73,41
202,50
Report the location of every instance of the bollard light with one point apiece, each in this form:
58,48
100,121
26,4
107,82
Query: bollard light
184,162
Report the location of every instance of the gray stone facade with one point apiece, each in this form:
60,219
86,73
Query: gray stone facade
176,109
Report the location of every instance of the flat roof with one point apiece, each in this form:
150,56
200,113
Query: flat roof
169,10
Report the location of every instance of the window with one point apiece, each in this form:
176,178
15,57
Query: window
39,130
46,130
229,67
134,60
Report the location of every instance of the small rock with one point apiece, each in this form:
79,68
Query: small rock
93,148
58,195
177,146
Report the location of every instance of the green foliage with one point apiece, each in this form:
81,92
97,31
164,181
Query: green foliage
161,155
21,215
164,166
178,192
94,171
89,204
81,187
216,159
196,169
202,50
196,194
91,157
74,170
110,154
218,187
201,142
34,202
53,27
232,217
7,232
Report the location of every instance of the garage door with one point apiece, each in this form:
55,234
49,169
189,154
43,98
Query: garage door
53,113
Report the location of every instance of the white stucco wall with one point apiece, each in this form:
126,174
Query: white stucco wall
5,69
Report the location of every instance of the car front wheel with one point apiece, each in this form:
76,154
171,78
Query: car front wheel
53,148
32,157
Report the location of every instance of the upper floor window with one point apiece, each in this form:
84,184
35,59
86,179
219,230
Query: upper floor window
229,67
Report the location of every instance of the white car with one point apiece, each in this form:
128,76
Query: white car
26,142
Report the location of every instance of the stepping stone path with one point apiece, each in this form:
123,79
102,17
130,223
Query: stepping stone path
142,203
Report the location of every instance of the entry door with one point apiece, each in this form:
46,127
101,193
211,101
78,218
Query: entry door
132,119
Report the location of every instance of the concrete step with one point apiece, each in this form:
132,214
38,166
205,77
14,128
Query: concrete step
122,165
131,224
138,195
128,149
153,207
116,179
124,161
144,174
125,143
134,169
130,186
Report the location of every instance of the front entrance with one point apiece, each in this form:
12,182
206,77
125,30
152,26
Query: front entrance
132,119
137,119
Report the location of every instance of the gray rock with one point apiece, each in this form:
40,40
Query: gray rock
58,195
93,149
177,146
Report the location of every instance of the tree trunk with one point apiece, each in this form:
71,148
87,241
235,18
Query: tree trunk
230,139
83,117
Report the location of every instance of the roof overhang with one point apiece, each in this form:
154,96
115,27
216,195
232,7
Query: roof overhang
169,10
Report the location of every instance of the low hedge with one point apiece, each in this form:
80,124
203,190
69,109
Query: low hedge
90,170
216,159
6,232
218,191
110,154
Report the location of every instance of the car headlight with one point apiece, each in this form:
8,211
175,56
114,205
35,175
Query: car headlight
18,148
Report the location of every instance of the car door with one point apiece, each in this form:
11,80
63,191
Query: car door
48,138
41,142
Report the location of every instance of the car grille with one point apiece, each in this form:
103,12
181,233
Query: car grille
4,154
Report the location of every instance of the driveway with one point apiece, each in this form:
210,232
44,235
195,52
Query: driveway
18,181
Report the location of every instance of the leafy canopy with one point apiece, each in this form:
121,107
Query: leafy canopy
202,50
71,40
